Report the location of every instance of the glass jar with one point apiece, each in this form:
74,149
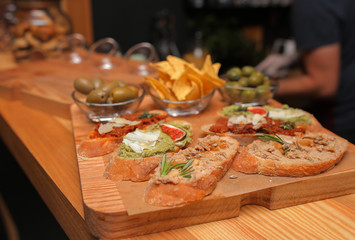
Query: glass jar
39,28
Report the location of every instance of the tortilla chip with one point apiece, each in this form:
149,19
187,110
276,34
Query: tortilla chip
195,91
216,67
181,88
207,66
161,90
198,83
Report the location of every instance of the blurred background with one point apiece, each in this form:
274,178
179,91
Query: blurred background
234,32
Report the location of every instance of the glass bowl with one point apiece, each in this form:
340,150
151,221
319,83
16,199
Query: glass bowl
98,112
247,95
182,108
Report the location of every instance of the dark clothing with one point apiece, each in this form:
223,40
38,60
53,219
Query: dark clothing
323,22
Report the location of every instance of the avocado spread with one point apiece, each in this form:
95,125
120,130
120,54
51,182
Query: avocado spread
163,144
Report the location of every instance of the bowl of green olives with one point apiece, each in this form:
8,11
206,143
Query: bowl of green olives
246,86
104,100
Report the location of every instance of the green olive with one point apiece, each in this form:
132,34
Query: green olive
121,94
243,81
247,71
97,96
255,79
108,86
266,81
234,74
83,85
233,91
97,82
259,74
134,89
248,95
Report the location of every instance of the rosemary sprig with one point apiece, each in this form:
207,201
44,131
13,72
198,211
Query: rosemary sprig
185,168
164,167
274,137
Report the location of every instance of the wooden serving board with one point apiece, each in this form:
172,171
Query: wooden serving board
116,210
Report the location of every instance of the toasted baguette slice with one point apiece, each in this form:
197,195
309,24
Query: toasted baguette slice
213,156
99,144
309,155
139,169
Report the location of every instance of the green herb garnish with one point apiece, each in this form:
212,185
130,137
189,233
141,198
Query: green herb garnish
240,109
146,115
275,138
288,125
185,168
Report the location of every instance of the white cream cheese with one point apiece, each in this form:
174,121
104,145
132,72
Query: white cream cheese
139,141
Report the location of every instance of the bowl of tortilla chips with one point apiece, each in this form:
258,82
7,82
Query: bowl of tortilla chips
180,88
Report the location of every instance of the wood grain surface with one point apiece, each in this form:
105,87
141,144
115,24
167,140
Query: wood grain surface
41,139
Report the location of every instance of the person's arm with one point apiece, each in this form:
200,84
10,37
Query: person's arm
321,78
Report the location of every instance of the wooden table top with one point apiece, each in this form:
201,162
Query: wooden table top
39,134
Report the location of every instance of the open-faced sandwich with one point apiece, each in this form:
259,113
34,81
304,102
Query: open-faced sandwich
192,173
140,151
295,116
244,122
107,136
292,156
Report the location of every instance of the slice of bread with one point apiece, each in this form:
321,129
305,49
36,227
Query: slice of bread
140,168
99,144
308,155
213,156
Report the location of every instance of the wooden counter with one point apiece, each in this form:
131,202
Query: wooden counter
36,126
